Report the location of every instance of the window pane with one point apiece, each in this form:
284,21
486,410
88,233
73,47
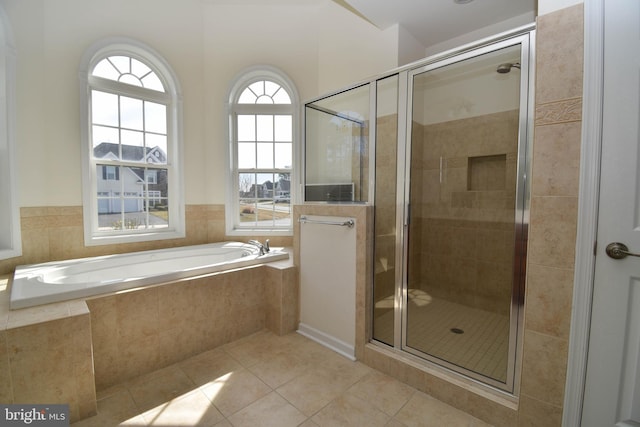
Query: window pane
281,97
151,81
139,69
158,212
155,117
132,145
131,113
270,88
104,108
265,155
247,97
283,128
264,99
103,134
130,79
106,173
248,209
264,128
246,128
121,63
283,156
246,185
257,88
106,70
109,213
156,148
246,155
264,185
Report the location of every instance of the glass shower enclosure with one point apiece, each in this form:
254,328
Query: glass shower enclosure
451,137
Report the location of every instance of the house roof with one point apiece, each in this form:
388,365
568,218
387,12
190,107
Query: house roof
132,153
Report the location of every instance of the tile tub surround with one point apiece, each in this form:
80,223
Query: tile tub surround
141,331
46,355
53,233
76,347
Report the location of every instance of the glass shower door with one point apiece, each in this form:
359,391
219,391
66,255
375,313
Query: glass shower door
464,248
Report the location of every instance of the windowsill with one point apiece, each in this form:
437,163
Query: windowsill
133,238
10,253
259,232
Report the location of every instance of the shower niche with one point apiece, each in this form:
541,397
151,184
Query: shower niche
449,141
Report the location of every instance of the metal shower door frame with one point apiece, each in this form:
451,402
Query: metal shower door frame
403,214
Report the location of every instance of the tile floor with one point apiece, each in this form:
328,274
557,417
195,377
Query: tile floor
270,380
483,346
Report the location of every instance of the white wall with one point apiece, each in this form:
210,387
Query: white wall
489,31
320,45
548,6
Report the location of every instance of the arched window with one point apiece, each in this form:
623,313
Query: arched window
10,239
131,145
263,144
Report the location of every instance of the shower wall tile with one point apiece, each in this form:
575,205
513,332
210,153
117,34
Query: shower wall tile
552,234
569,110
535,413
559,55
556,159
549,298
553,231
545,358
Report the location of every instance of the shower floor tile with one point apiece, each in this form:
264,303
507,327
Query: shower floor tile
480,344
322,389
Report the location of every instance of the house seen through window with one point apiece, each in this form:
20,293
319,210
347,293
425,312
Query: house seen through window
263,146
132,161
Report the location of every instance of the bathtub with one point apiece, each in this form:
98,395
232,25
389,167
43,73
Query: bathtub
56,281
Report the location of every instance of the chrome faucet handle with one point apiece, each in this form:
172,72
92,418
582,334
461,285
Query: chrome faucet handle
266,245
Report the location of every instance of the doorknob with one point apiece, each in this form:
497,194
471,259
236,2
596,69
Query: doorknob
617,250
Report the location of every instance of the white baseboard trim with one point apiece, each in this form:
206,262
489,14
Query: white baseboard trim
328,341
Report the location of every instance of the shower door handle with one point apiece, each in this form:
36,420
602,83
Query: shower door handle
617,250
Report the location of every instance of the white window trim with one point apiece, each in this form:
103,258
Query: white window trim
130,47
244,78
10,236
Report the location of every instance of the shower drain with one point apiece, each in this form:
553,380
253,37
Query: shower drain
457,331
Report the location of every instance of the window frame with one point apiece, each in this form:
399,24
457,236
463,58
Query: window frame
232,205
10,231
172,98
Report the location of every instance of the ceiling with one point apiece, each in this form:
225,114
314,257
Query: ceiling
435,21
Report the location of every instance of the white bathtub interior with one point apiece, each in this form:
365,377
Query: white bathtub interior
56,281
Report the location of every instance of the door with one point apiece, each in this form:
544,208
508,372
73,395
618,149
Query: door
465,168
612,390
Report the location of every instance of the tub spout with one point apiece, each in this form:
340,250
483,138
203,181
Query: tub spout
263,248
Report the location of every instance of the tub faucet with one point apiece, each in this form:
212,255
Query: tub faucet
263,248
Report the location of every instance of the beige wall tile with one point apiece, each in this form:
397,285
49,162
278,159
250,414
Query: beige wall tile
559,55
137,314
56,233
534,413
552,233
548,300
544,367
6,389
556,160
51,363
565,110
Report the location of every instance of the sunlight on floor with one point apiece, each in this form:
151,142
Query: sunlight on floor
419,297
265,379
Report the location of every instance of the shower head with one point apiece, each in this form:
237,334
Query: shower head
506,67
